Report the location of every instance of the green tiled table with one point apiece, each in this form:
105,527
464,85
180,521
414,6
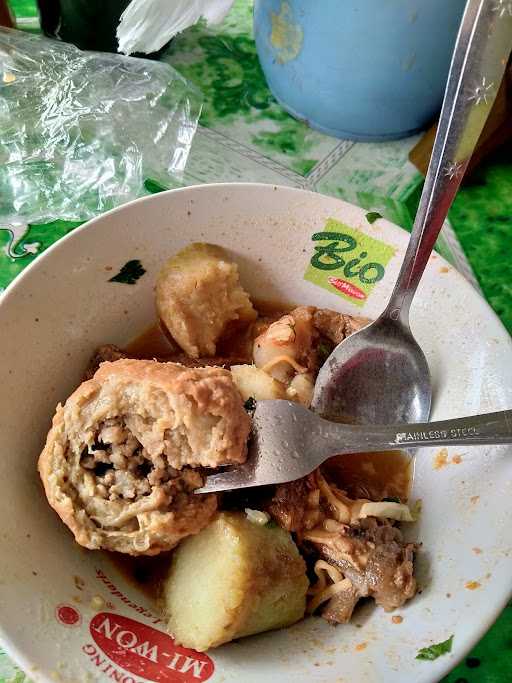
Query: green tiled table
245,135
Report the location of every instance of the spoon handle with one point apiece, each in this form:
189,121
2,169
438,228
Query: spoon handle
480,56
476,430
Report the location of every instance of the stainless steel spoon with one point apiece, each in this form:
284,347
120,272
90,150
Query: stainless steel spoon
380,375
290,441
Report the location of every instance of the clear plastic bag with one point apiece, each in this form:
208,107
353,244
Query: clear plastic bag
80,131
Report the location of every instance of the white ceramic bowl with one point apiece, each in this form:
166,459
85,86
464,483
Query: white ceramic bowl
67,614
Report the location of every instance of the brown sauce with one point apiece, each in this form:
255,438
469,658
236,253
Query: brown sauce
156,342
153,343
362,475
146,573
272,309
372,475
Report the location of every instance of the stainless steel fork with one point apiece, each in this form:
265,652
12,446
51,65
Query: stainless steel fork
289,442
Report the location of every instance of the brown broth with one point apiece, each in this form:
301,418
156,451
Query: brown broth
372,475
145,573
362,475
272,309
154,342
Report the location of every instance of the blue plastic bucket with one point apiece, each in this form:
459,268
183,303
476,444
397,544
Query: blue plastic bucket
358,69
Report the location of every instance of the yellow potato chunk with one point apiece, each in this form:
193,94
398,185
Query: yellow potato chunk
301,389
233,579
198,293
254,383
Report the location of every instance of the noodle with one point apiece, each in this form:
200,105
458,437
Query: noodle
321,592
322,567
333,526
339,508
314,498
335,513
321,536
331,532
343,546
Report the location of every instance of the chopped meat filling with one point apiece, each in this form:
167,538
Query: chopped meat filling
123,469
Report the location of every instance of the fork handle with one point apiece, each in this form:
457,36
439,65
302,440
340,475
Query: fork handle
290,441
476,430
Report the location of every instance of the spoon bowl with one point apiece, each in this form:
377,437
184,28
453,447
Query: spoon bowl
378,375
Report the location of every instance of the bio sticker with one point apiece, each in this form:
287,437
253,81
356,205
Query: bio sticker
346,261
